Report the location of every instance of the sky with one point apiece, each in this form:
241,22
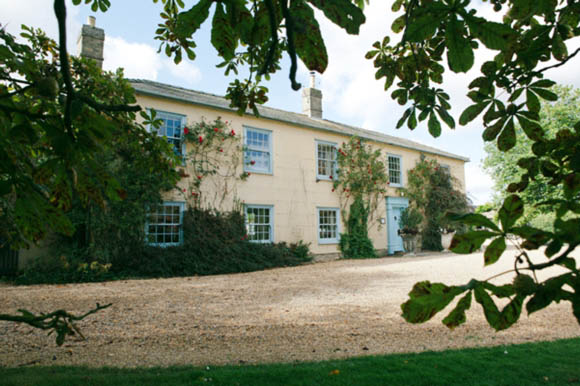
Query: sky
351,95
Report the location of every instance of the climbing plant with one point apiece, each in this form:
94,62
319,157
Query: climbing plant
213,161
361,182
433,191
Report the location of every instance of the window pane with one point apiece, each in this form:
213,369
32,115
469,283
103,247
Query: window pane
164,225
258,223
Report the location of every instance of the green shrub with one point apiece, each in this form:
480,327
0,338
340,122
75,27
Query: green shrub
355,242
214,243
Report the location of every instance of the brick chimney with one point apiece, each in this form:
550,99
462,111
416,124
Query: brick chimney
312,99
90,42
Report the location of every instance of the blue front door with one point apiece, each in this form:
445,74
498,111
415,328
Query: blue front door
395,206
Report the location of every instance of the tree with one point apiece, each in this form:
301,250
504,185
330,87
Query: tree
431,189
509,90
503,166
60,118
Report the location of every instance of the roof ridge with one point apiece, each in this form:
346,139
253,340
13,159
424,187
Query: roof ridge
188,96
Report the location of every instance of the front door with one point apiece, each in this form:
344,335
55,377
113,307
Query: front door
395,206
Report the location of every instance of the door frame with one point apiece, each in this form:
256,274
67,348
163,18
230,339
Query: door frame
392,227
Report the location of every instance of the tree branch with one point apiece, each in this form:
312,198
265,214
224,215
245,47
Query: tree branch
561,63
100,107
60,12
273,36
291,48
58,321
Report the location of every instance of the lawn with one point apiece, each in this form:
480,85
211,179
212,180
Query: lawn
544,363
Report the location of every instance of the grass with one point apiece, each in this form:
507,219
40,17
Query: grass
545,363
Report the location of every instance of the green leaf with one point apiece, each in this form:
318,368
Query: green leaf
501,291
404,117
554,247
532,101
532,129
507,138
559,49
422,27
446,117
459,52
548,292
426,299
545,94
343,13
469,242
495,36
189,21
399,24
534,238
222,34
457,316
490,133
434,125
470,113
543,83
494,251
474,219
511,210
412,122
308,39
496,319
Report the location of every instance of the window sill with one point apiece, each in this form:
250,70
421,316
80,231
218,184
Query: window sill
328,242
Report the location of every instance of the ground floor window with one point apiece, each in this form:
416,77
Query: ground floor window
259,223
328,225
164,225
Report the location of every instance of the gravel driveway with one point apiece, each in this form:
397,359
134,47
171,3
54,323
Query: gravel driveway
320,311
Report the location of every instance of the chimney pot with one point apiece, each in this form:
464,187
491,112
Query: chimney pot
91,20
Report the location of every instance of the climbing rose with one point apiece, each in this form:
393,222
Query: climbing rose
185,130
232,133
215,129
200,139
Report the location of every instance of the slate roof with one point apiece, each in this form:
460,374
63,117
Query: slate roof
156,89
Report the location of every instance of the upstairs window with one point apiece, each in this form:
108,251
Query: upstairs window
259,223
172,129
325,160
395,173
258,150
164,225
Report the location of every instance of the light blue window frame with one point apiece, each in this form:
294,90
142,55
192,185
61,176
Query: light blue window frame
172,130
255,216
326,160
395,170
258,150
328,225
164,227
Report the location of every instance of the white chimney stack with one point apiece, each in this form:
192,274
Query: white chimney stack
312,99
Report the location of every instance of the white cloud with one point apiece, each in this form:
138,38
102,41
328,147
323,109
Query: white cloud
184,71
39,14
140,60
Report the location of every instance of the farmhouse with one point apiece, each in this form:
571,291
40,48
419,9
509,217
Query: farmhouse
289,196
291,159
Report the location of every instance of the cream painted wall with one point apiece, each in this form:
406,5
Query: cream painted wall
292,188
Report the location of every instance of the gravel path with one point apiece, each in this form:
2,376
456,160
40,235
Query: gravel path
321,311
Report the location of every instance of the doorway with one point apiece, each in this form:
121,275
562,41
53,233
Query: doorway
395,206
